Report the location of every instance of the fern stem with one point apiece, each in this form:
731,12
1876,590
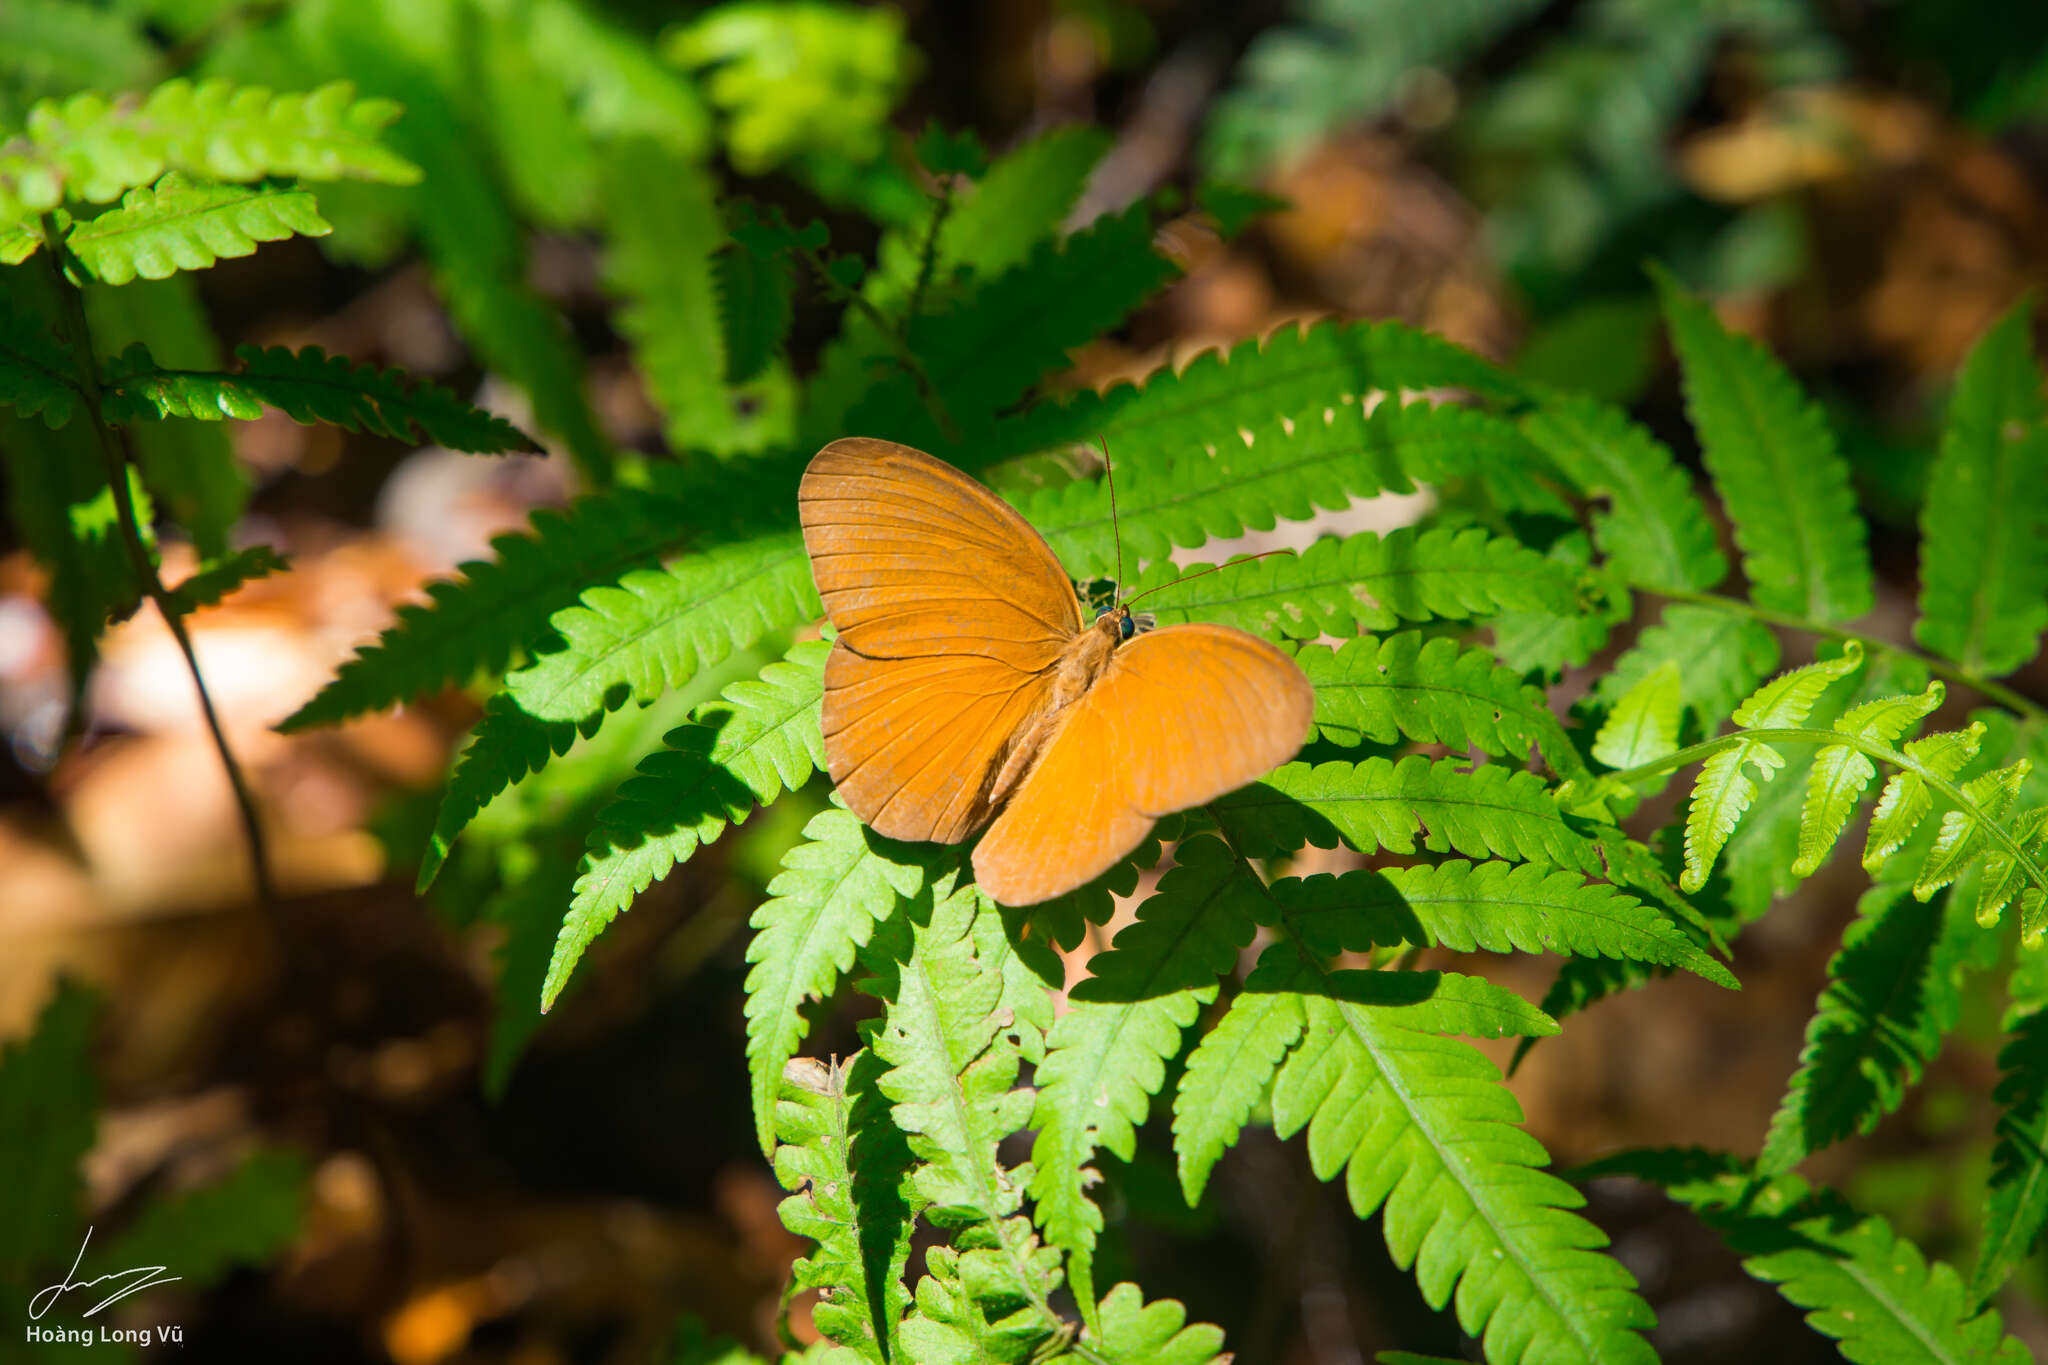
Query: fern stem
113,450
928,258
1883,753
1940,668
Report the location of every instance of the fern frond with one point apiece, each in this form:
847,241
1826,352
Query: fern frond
1841,771
759,740
1643,727
1498,907
1654,530
1427,1002
35,373
658,627
1724,791
1775,465
1894,991
1867,1288
1983,551
1106,1057
1133,1332
1720,656
1905,801
49,1107
2016,1205
1366,581
1961,838
177,225
755,284
1379,804
311,386
222,577
1234,480
2005,876
474,624
1226,1076
1421,1125
825,1130
1431,691
91,147
662,226
951,1077
824,904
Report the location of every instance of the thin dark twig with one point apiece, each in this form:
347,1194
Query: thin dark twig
896,339
929,257
115,454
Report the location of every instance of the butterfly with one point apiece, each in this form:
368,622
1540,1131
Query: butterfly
967,688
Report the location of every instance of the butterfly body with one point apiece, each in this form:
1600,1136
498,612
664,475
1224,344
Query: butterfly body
967,689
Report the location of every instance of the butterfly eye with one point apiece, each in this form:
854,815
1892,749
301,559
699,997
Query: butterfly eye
1127,626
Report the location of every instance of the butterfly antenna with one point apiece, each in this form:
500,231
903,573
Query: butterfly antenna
1115,531
1213,568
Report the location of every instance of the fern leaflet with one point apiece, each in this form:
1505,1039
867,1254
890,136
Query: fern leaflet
1380,804
824,904
1867,1288
222,577
1841,772
1643,727
2016,1207
1133,1332
1433,692
760,740
1774,462
1421,1125
49,1106
1720,656
1984,526
311,386
1227,1075
35,373
177,225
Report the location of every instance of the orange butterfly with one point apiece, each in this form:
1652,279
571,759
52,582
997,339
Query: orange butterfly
967,686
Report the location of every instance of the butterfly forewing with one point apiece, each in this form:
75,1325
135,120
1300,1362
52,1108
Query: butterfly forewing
952,614
1179,717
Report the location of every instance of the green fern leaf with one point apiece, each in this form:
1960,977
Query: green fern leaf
2005,876
35,372
1227,1075
1380,804
2016,1208
1654,531
53,47
827,1128
1498,907
1297,374
177,225
824,904
245,1218
1643,727
1231,482
760,740
474,624
91,147
1894,991
1428,1002
311,386
662,225
1867,1288
222,577
951,1078
1961,838
49,1107
658,628
1106,1057
1407,686
1905,801
1720,656
1774,463
1724,791
1133,1332
1420,1124
1366,581
1841,772
1984,526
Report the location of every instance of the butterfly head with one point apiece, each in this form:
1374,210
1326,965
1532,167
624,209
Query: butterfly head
1121,623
